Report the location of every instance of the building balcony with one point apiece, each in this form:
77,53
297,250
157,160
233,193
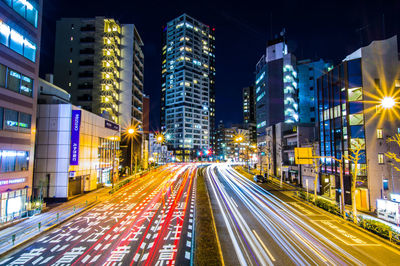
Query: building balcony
86,74
87,51
87,62
85,86
88,28
87,39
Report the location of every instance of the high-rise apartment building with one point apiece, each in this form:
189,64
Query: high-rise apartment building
276,88
188,86
249,113
100,62
352,116
20,34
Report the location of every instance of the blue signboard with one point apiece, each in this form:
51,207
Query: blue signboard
75,128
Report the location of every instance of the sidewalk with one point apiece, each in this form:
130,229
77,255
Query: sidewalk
23,231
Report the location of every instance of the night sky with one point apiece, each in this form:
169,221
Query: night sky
315,29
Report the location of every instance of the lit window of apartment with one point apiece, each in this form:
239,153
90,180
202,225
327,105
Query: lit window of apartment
380,158
379,133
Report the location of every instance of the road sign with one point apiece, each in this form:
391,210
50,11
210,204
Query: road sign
303,155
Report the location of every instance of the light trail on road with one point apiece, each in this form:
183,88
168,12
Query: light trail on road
149,222
264,230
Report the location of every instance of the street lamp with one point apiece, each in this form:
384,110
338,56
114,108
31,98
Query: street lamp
238,138
161,138
131,132
388,102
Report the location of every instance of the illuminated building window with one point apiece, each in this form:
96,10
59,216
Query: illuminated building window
380,158
17,42
25,9
379,133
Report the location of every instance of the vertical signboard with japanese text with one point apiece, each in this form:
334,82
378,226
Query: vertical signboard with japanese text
75,128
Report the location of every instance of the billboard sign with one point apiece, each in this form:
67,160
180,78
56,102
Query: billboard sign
75,128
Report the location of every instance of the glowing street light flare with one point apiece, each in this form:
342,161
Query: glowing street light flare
131,131
388,102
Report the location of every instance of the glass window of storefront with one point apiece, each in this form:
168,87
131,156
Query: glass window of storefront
12,204
13,161
15,81
10,120
15,121
106,153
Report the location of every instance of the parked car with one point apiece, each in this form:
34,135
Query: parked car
259,178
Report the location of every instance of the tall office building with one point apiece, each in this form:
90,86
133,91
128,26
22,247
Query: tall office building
249,113
351,114
188,86
276,86
20,33
309,72
100,62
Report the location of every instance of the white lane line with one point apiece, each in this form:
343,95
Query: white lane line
95,258
188,244
37,260
63,247
136,257
47,260
106,246
107,237
189,235
55,248
98,246
85,258
265,248
145,256
187,255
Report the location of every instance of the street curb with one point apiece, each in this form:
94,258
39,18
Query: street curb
47,229
213,221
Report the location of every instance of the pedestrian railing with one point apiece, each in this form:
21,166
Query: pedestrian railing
9,239
18,215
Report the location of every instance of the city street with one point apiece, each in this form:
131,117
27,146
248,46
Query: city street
149,222
256,227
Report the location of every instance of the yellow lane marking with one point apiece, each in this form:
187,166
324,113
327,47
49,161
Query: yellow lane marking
265,248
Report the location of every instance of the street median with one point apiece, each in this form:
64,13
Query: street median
207,251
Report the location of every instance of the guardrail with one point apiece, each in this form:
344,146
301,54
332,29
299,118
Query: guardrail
19,215
47,222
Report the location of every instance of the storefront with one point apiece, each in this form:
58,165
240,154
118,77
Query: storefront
389,210
13,203
84,157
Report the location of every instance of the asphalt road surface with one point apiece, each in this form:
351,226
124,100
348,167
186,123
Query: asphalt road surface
149,222
257,227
